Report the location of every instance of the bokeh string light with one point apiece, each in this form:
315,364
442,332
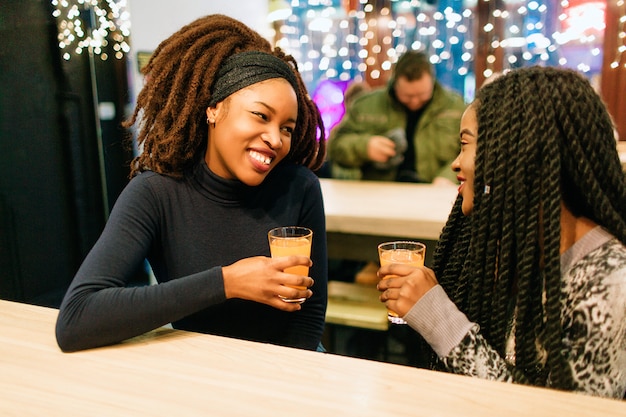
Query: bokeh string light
362,41
92,25
620,53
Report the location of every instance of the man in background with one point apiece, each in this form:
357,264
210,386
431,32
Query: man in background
406,131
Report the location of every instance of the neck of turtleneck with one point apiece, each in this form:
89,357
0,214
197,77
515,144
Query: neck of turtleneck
219,189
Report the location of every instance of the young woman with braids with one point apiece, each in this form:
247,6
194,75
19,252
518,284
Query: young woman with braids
229,136
529,276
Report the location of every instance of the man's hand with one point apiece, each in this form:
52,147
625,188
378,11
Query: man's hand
380,149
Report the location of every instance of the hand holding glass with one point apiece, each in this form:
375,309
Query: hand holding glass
400,252
291,240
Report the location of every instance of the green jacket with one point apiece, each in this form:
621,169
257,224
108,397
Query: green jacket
436,137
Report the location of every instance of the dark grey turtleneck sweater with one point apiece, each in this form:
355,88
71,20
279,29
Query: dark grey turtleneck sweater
188,229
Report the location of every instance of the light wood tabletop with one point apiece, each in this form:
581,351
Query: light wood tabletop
169,372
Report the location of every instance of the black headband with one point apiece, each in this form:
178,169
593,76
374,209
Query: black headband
246,68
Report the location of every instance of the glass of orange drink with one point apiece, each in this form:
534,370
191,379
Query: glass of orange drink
400,252
291,240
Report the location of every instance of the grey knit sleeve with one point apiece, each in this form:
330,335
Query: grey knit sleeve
439,321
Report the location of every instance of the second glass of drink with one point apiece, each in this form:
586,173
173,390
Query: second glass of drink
400,252
291,240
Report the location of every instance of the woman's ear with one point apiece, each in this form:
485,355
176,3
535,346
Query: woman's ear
211,115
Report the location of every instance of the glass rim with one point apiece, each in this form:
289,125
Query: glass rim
283,232
398,244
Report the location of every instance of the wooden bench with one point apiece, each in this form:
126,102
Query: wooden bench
355,305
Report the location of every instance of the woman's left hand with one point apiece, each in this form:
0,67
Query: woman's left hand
405,287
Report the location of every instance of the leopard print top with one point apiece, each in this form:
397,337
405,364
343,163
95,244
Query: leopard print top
594,319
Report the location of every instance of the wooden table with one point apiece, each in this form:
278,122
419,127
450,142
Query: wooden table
176,373
362,214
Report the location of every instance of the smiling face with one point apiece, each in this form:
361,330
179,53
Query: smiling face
250,131
464,164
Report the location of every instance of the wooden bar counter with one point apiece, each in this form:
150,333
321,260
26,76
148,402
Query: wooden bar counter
175,373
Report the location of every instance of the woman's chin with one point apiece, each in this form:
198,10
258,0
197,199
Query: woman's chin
253,180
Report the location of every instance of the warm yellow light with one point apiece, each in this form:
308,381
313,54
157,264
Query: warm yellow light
111,20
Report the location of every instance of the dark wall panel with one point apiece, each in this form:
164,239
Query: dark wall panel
51,195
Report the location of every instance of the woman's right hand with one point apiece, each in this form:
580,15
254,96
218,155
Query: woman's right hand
262,279
408,285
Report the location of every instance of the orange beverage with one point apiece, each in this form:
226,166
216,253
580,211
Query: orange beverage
406,253
291,240
292,246
402,256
